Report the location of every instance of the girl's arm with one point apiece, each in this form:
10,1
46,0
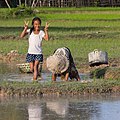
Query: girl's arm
24,32
46,37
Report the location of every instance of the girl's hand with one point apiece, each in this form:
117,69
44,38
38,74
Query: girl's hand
46,26
26,24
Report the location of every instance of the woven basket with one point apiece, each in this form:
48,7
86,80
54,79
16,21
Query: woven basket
24,67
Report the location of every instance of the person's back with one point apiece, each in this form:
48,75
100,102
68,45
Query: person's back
69,70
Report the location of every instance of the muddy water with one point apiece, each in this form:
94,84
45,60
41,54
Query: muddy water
66,108
10,72
55,108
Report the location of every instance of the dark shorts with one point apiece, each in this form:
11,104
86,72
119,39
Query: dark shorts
34,57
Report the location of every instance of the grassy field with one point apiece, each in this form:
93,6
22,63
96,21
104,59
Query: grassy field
80,29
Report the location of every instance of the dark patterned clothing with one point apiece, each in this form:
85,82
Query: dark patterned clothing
33,57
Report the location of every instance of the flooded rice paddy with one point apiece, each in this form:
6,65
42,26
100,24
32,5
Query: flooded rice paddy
10,72
66,108
93,107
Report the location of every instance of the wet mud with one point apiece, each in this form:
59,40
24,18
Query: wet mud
106,71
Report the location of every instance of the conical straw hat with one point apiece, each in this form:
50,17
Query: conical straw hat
62,52
57,63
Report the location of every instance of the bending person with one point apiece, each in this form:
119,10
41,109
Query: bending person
61,63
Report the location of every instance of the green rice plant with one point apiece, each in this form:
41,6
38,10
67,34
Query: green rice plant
82,30
20,11
62,88
21,46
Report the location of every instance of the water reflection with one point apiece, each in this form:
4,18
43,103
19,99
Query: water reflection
62,109
11,111
79,108
34,112
59,107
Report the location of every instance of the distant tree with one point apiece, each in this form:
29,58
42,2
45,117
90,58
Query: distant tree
7,4
33,3
25,2
20,2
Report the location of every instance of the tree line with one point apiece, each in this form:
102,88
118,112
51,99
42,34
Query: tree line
61,3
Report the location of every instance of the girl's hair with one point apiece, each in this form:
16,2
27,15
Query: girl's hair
34,19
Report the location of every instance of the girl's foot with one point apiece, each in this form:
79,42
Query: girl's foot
39,77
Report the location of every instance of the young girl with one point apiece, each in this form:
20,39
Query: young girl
34,55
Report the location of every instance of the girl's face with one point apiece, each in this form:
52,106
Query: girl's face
36,25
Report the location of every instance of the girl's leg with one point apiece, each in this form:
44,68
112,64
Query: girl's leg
35,74
40,70
31,66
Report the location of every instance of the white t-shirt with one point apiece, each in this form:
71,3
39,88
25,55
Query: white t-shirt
35,42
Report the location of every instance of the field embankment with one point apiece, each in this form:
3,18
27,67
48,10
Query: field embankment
59,88
80,29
